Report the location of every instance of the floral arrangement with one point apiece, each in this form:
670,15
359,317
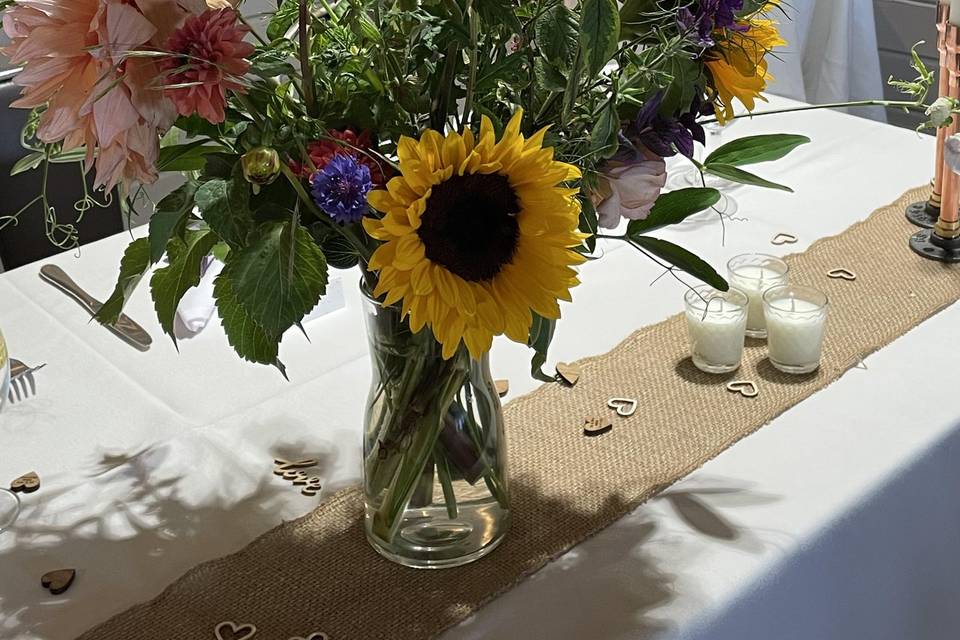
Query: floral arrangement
465,154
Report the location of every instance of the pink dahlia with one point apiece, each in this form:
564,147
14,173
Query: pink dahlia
347,143
75,58
208,60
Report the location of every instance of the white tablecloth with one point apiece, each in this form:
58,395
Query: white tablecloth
831,54
839,520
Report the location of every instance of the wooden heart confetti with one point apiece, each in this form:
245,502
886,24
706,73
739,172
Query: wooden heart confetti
292,471
280,466
311,487
746,388
502,387
625,407
784,238
596,426
317,635
58,581
27,483
841,273
233,631
569,373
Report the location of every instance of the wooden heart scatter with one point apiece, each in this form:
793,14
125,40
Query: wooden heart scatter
228,630
56,582
842,273
625,407
568,373
232,631
293,471
783,238
596,426
27,483
502,387
746,388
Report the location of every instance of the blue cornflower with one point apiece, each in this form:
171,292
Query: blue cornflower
340,188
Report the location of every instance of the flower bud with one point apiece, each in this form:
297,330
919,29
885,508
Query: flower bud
261,166
940,112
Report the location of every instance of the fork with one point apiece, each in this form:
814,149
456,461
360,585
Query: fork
22,382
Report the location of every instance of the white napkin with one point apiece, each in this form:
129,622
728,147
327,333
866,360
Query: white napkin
197,305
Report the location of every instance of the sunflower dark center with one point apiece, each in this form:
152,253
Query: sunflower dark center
470,225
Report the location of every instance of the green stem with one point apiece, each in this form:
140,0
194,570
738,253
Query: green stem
889,104
387,518
474,61
306,70
334,18
256,35
446,481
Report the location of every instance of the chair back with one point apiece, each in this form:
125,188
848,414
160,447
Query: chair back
27,240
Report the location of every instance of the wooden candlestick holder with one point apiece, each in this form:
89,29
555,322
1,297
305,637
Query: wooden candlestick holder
926,214
942,242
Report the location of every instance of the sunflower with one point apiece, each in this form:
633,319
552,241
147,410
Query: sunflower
738,65
477,234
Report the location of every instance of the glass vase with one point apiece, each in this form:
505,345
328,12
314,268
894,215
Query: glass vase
434,476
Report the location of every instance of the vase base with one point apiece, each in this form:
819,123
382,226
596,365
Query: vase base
428,539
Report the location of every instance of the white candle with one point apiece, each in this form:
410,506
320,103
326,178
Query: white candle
754,274
716,324
955,12
796,321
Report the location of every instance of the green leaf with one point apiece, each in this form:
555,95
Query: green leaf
548,76
499,12
168,216
541,335
743,177
600,30
196,126
338,251
168,284
556,35
685,73
283,19
27,163
674,207
589,221
133,266
632,19
271,63
604,134
279,278
225,205
248,338
754,149
190,156
684,260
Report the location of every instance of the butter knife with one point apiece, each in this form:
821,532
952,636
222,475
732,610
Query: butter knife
128,330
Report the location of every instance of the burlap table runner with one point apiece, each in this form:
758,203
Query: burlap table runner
318,573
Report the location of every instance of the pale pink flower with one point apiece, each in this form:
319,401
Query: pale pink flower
629,191
210,63
75,60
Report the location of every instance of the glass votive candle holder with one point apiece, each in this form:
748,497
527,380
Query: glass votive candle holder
716,322
754,273
796,321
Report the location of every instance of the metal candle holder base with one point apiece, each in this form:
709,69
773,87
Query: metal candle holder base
933,247
923,214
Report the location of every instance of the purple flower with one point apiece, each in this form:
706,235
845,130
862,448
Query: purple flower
340,190
710,15
666,136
